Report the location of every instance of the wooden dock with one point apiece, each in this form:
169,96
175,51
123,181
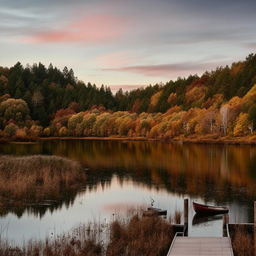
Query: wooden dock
201,246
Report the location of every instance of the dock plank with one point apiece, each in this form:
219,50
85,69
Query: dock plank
201,246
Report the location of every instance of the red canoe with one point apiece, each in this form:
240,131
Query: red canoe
207,209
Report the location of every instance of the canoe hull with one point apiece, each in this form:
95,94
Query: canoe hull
207,209
157,210
151,211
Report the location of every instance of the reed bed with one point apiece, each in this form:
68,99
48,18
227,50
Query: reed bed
141,236
31,179
242,240
127,237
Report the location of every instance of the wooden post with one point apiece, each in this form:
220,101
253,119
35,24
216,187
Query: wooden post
186,217
225,223
254,212
254,228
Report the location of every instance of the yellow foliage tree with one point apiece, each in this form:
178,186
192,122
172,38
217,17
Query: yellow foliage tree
241,126
172,98
36,130
21,133
154,100
195,96
47,132
63,131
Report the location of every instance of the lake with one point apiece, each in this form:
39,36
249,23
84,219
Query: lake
124,175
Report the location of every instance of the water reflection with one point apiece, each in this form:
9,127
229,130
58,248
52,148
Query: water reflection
96,205
126,174
200,219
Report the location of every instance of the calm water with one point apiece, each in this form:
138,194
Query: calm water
123,175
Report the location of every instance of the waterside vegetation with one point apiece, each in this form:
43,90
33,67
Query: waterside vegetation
243,239
134,235
33,180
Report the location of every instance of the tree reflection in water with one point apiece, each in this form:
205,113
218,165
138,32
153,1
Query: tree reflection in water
218,173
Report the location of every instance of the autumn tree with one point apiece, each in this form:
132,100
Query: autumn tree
10,129
252,115
224,111
241,126
14,109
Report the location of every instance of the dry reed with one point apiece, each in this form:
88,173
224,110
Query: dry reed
242,241
136,236
32,179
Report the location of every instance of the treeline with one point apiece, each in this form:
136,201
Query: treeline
193,91
46,90
235,118
39,101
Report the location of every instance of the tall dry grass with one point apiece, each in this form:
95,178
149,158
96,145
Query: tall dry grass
242,241
138,236
149,236
176,218
31,179
65,245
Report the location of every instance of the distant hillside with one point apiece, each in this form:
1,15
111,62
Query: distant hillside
221,102
193,91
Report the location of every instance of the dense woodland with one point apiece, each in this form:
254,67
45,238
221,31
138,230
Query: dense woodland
38,101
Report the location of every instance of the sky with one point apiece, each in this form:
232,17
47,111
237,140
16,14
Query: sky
127,43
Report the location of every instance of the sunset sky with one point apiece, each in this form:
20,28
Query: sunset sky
127,43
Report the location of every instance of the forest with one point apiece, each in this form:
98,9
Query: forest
36,101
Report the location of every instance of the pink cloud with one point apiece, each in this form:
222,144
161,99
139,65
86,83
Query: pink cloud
91,29
167,70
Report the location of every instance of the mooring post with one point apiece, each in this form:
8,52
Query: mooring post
225,223
186,217
254,228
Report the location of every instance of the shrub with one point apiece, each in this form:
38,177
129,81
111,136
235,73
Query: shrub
10,129
63,131
21,133
36,130
47,132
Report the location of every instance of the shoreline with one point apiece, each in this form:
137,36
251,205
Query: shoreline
218,141
180,140
100,138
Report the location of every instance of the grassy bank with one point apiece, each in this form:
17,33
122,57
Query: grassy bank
136,235
33,179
